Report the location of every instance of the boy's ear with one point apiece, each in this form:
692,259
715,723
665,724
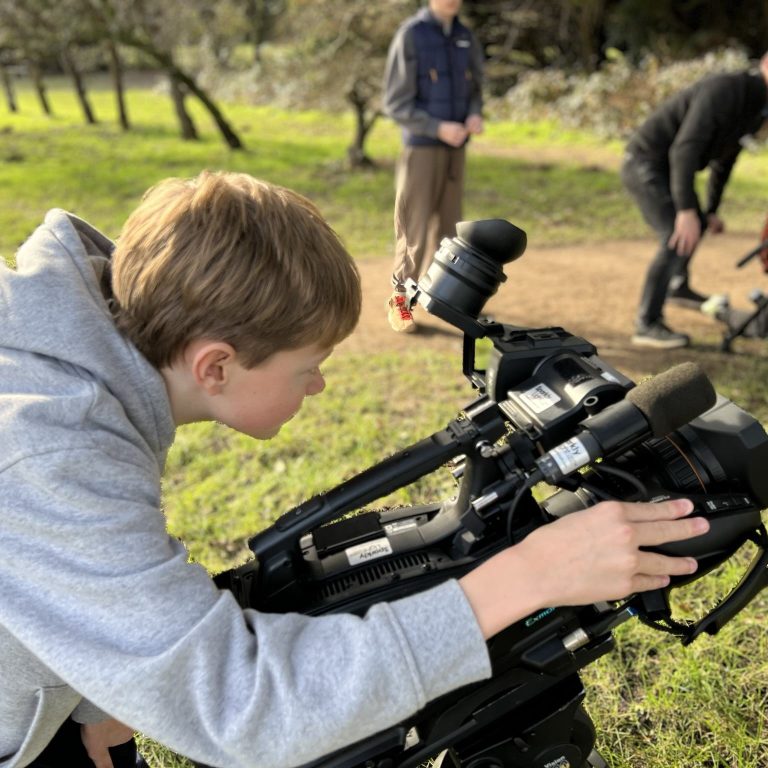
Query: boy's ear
211,365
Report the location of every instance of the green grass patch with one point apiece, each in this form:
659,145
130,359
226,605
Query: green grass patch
569,192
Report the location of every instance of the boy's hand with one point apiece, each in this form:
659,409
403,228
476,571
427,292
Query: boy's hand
582,558
687,232
474,124
715,224
99,737
454,134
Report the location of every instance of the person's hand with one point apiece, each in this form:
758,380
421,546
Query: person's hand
97,738
453,134
687,232
582,558
715,224
474,124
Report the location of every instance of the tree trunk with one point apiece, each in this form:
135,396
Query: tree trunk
257,15
10,95
37,78
356,151
188,130
165,60
118,83
69,65
231,138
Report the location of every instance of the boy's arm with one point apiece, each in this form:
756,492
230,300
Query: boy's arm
719,173
710,112
400,87
99,737
98,592
477,67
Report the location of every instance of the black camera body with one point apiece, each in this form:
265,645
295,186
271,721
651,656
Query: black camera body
548,409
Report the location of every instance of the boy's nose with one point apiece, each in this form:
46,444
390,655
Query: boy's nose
317,385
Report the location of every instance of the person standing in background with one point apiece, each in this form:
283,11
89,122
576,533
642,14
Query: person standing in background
702,126
433,90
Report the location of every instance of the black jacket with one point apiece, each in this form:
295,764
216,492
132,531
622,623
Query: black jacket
702,126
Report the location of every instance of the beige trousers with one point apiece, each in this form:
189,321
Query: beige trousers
428,191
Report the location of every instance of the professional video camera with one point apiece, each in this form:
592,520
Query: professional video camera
549,411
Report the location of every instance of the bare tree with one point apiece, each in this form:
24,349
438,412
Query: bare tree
340,55
23,45
36,73
156,28
261,16
68,58
178,96
57,26
118,81
10,94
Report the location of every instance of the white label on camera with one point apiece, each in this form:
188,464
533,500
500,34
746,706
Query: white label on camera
539,398
370,550
570,455
400,525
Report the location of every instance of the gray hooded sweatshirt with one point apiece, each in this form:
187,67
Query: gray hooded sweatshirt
100,610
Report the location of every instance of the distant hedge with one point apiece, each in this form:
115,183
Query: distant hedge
615,99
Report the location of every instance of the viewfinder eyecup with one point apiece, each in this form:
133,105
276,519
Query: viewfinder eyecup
467,269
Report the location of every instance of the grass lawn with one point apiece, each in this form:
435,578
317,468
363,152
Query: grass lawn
656,704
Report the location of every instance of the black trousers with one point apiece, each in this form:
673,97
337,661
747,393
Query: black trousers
66,750
648,183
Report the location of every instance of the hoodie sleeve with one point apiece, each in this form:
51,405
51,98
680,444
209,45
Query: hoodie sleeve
400,86
85,712
95,589
477,66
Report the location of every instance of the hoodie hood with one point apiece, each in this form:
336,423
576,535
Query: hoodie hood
56,307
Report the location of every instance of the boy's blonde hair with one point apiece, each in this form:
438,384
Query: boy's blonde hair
225,256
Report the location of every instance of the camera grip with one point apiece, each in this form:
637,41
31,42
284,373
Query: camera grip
733,518
751,583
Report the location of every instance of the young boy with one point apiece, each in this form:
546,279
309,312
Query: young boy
221,300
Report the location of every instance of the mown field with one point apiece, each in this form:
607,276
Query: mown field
656,704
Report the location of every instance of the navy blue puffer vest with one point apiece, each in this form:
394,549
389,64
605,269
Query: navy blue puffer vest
443,72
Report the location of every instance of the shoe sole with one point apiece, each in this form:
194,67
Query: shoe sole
644,341
407,329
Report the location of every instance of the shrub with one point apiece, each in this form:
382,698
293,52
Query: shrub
613,100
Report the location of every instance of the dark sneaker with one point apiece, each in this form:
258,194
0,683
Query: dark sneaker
399,314
686,297
658,336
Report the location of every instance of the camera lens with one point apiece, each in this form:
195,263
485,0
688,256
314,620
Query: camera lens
467,269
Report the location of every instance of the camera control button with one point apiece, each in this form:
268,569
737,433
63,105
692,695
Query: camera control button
726,503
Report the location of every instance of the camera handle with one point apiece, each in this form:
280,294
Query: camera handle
751,583
277,548
729,531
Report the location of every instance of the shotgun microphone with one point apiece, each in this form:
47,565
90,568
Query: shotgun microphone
653,408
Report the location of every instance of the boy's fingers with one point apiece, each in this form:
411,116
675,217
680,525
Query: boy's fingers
660,532
644,583
664,510
101,758
653,564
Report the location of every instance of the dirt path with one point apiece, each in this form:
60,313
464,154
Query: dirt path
591,291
